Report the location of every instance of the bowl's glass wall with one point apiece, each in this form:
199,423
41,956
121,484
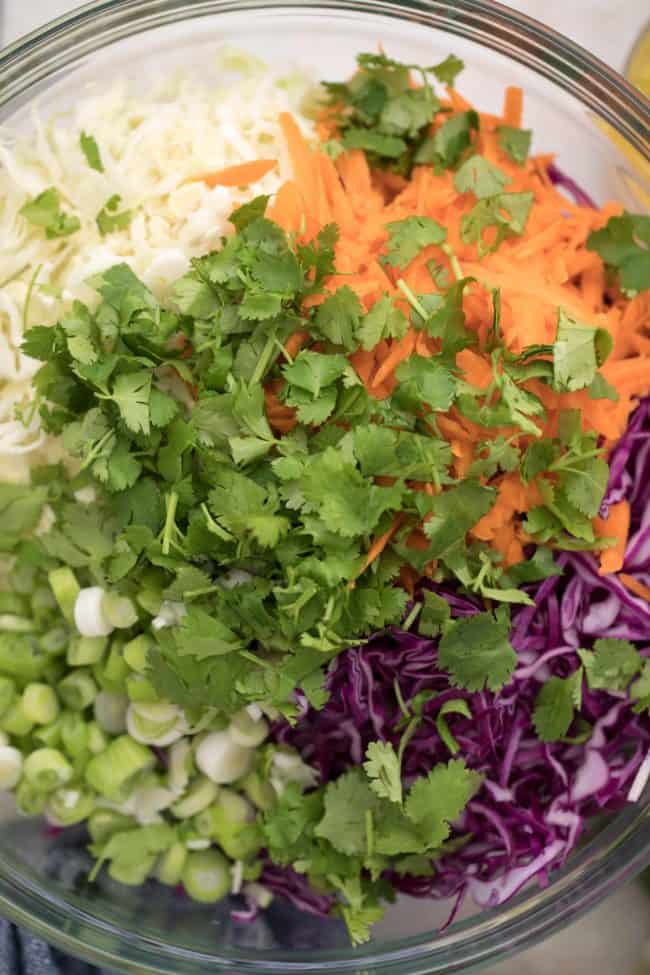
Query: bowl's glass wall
571,104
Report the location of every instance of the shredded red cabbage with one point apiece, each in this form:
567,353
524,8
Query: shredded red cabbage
536,798
580,196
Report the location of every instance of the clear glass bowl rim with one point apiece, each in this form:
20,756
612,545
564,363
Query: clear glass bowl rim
623,848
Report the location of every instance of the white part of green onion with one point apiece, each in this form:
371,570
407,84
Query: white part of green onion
254,711
206,876
236,876
258,894
110,712
235,578
119,611
222,759
149,801
247,731
198,844
46,769
4,739
170,615
155,722
287,767
86,495
88,615
11,767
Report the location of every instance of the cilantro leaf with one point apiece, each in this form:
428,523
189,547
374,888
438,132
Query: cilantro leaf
624,245
447,71
132,392
110,218
383,768
409,236
555,706
383,321
313,371
453,513
450,141
423,380
406,114
338,317
249,212
45,211
611,665
435,801
347,800
90,149
505,213
390,146
515,142
201,635
480,177
578,352
435,613
640,692
476,651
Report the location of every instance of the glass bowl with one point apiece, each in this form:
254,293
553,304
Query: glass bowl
600,129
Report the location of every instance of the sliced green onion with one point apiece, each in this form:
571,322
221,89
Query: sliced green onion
68,806
155,723
49,734
11,767
259,894
206,876
119,611
23,579
40,703
66,589
200,794
170,866
260,792
7,694
20,657
140,689
104,823
150,600
112,771
47,769
16,624
135,653
229,811
85,651
247,731
110,712
42,601
29,800
78,690
74,734
15,722
132,874
113,672
54,641
222,759
89,615
180,765
97,738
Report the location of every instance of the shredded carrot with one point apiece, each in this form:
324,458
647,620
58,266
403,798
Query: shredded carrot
380,543
513,104
241,175
616,525
295,342
635,586
399,351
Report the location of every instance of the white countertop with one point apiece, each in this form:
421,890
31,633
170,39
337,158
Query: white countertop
609,941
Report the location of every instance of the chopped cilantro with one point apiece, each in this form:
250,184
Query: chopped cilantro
90,149
515,142
555,706
45,211
110,218
624,245
611,665
476,651
409,236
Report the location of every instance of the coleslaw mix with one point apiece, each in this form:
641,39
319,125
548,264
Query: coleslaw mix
326,460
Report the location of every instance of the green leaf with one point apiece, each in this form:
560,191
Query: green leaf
435,801
110,218
45,211
624,245
640,692
435,613
578,352
453,513
390,146
480,177
132,393
515,142
476,651
347,800
383,321
20,508
584,483
555,706
611,665
201,635
409,236
163,408
423,380
457,706
338,317
90,149
313,371
244,215
599,388
447,71
382,766
450,141
506,213
406,114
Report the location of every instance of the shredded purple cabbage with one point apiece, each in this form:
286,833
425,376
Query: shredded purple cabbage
580,196
536,798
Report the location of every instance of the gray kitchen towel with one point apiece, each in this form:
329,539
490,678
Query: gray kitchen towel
23,954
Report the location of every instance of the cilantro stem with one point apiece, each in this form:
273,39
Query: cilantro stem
193,593
264,361
95,451
412,616
453,261
28,297
410,297
370,833
406,737
14,277
282,350
403,706
264,664
170,521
